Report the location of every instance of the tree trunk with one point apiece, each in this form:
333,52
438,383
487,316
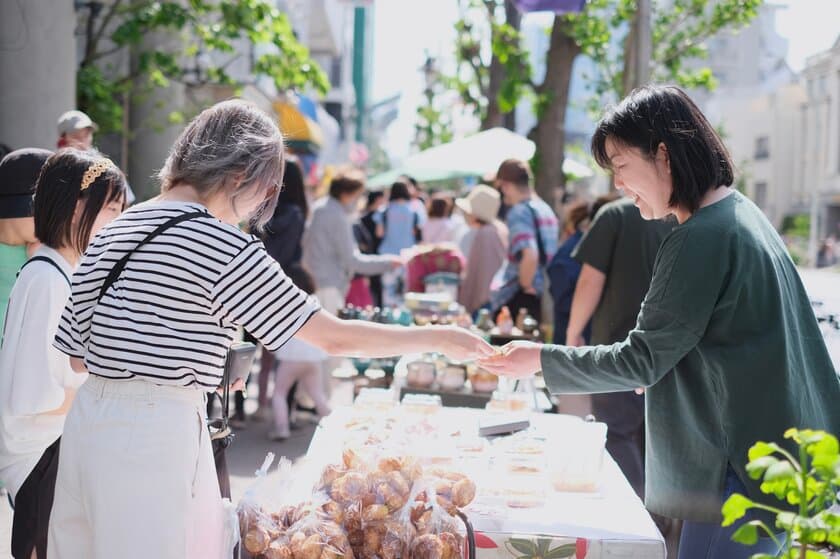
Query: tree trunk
550,132
494,116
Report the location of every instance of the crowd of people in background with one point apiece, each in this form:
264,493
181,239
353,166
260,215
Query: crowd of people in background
119,321
118,317
353,244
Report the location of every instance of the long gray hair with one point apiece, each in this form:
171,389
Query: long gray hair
231,146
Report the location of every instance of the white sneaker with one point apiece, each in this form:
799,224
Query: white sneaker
279,435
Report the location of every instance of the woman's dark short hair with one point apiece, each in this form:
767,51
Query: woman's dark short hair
347,182
293,192
400,191
58,190
654,115
440,207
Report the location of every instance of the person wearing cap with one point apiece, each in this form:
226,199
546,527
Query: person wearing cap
487,248
18,174
534,234
75,130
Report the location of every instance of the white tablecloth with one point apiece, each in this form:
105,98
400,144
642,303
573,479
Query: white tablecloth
612,521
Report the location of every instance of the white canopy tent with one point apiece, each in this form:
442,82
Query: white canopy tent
475,155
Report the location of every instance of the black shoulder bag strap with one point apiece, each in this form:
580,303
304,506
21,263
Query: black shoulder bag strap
120,265
540,246
50,261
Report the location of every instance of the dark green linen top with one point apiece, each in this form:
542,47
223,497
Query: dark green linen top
729,350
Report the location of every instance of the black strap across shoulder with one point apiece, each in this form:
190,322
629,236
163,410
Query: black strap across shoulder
540,246
49,261
120,265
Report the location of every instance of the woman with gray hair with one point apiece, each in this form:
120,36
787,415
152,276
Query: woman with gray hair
155,304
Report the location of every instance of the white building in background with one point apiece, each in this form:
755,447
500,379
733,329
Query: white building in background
325,27
757,105
763,134
818,156
750,60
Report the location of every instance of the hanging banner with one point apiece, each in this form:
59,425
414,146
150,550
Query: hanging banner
557,6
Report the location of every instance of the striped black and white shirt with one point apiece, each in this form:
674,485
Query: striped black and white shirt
172,314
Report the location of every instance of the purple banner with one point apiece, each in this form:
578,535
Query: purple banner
557,6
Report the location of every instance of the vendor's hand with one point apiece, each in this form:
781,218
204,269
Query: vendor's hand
574,340
460,344
516,360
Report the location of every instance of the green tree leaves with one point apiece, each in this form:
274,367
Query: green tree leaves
211,33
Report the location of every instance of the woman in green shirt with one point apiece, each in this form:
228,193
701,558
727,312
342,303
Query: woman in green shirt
726,342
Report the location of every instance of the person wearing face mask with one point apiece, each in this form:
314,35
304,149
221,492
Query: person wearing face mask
330,252
726,343
76,195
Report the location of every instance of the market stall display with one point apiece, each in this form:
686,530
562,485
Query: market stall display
388,468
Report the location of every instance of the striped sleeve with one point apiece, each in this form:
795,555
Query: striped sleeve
521,230
253,292
68,338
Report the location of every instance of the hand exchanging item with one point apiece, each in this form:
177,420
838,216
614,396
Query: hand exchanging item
516,360
462,345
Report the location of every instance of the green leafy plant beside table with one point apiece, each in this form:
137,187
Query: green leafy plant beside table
807,484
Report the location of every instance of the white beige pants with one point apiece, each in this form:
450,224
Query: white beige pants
332,301
136,477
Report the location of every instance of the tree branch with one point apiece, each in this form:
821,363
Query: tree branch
482,87
93,38
674,27
106,53
680,49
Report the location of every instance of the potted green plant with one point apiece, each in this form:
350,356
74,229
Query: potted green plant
807,483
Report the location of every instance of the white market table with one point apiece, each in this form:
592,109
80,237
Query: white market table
609,523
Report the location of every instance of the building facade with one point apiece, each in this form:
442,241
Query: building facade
756,106
818,156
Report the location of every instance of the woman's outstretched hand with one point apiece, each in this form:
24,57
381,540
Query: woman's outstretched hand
462,345
516,360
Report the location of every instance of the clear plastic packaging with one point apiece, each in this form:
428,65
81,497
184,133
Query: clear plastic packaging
577,463
422,403
375,400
